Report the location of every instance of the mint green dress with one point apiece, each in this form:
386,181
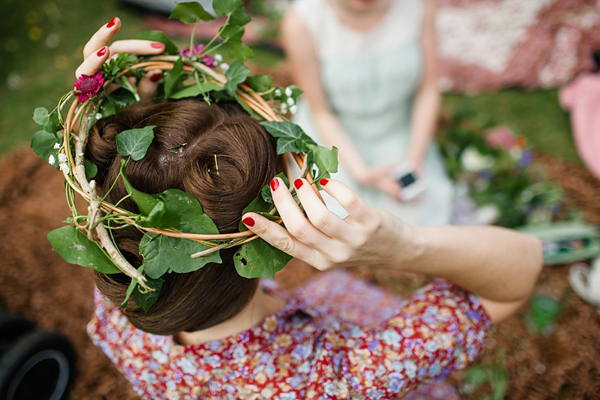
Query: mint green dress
370,79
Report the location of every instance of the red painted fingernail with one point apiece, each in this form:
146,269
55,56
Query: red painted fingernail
111,23
102,51
248,221
324,182
274,184
298,183
157,45
154,78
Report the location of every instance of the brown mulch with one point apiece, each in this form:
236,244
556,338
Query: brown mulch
34,281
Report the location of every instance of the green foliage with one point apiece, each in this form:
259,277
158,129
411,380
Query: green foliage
43,144
196,90
236,74
224,7
113,103
260,83
494,373
113,66
161,217
190,13
159,36
173,77
290,137
258,258
147,299
193,218
144,201
266,194
75,248
91,169
135,142
40,116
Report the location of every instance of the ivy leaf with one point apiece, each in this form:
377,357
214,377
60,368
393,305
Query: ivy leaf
53,125
223,7
40,116
265,192
91,169
159,36
135,142
75,248
144,201
238,16
173,77
193,218
196,90
162,217
258,205
236,74
259,259
230,31
190,13
237,49
260,83
114,102
290,137
42,144
324,158
162,253
146,300
129,292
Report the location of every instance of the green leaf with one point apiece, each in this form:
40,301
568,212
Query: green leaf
324,158
161,217
135,142
237,48
114,102
190,13
146,300
91,169
173,77
159,36
259,259
196,90
265,192
40,116
236,74
258,205
238,16
260,83
53,125
290,137
162,253
193,218
42,144
129,292
230,31
75,248
223,7
144,201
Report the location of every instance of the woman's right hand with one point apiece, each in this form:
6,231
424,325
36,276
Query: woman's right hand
324,240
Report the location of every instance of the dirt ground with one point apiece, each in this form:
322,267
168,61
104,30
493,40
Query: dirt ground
35,281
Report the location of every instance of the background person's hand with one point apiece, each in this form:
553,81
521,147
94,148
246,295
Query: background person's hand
380,178
324,240
97,51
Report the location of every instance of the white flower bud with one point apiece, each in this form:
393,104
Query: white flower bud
277,92
288,91
64,167
294,109
218,57
224,66
98,116
56,146
284,108
62,158
51,160
290,101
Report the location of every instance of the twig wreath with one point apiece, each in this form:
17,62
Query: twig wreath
178,236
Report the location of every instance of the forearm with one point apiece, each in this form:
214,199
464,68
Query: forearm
494,263
423,122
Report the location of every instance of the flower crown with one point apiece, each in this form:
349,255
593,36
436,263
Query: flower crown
178,236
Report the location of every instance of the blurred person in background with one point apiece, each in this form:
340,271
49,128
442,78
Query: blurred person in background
369,75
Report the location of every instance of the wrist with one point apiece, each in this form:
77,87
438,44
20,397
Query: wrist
412,244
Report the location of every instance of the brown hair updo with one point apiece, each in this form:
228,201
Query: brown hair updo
187,137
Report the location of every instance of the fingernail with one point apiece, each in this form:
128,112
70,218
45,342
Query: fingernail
298,183
111,23
154,78
274,184
157,45
324,182
102,52
248,221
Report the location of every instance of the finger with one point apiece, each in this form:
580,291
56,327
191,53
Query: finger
356,207
92,64
135,46
101,37
277,236
295,221
318,214
148,85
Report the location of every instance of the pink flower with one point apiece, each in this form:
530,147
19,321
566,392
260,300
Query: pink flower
501,136
195,50
209,61
88,86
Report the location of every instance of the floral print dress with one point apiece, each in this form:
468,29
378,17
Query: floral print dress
336,337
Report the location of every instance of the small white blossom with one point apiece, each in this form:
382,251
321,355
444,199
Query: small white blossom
64,168
284,108
277,92
51,160
62,158
56,146
224,66
290,101
218,58
294,109
98,116
288,92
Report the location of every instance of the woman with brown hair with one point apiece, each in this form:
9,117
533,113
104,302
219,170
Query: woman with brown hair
214,334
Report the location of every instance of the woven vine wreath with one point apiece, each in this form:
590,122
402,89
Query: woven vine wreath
178,236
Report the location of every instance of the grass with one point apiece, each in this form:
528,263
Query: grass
41,44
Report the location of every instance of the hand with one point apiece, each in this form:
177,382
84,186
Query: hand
97,51
380,179
367,236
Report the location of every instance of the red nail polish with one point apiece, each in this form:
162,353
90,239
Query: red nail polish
111,23
298,183
154,78
248,221
157,45
102,51
274,184
324,182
